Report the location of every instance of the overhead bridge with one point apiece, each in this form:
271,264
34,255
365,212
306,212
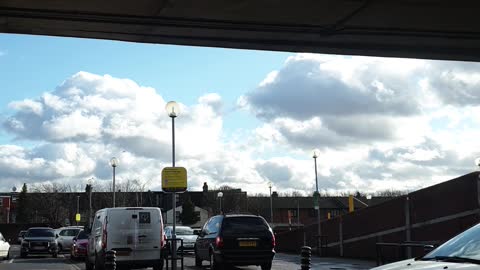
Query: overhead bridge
434,29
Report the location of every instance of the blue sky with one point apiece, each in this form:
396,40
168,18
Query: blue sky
253,116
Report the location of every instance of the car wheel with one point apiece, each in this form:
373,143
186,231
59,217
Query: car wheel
158,266
198,261
214,265
88,264
267,266
98,264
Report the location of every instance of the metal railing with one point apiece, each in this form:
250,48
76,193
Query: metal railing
168,254
322,245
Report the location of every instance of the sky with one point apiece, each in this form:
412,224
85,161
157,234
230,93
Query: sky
248,118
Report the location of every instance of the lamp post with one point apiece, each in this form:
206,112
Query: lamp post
173,109
317,197
114,163
220,196
271,202
78,207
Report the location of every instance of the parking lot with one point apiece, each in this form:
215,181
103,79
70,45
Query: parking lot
281,262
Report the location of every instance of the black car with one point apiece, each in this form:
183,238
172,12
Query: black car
227,240
39,240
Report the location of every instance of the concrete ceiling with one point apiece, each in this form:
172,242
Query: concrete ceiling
436,29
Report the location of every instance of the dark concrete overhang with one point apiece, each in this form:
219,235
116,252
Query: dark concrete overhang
436,29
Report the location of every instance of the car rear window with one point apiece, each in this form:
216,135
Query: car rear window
82,235
69,232
242,225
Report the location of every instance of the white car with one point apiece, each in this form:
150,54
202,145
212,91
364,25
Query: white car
4,248
460,252
65,237
135,233
185,233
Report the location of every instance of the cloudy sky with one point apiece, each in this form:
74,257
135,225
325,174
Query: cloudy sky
248,117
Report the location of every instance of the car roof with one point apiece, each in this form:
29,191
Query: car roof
40,228
240,215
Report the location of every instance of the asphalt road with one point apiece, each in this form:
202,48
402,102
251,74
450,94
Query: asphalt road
281,262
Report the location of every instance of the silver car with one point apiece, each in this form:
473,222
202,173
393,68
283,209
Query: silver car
185,233
65,237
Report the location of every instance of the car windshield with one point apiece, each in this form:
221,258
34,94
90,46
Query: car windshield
464,245
40,233
82,235
184,231
236,225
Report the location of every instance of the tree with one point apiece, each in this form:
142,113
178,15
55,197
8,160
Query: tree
22,207
188,215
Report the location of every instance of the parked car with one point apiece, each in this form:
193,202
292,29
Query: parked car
235,240
21,234
79,246
39,240
4,248
185,233
135,233
65,237
460,252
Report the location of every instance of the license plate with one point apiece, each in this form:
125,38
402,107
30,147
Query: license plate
247,243
122,253
38,248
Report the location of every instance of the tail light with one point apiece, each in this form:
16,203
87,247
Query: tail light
163,240
219,242
273,241
104,236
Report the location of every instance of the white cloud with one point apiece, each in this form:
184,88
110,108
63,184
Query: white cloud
379,123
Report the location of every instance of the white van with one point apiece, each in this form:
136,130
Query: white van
135,233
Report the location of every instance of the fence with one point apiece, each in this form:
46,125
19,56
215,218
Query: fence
433,214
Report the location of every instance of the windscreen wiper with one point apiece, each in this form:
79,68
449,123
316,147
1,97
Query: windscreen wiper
454,259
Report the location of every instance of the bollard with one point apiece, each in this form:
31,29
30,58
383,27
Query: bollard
110,260
306,255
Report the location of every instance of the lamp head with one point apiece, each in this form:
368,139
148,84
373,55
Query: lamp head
114,162
172,108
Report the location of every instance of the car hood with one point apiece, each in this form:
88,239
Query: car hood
188,238
411,264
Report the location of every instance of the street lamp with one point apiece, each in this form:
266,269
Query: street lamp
220,196
271,202
114,163
173,109
78,207
317,196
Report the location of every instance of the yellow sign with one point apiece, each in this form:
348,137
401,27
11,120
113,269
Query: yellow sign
174,179
77,217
